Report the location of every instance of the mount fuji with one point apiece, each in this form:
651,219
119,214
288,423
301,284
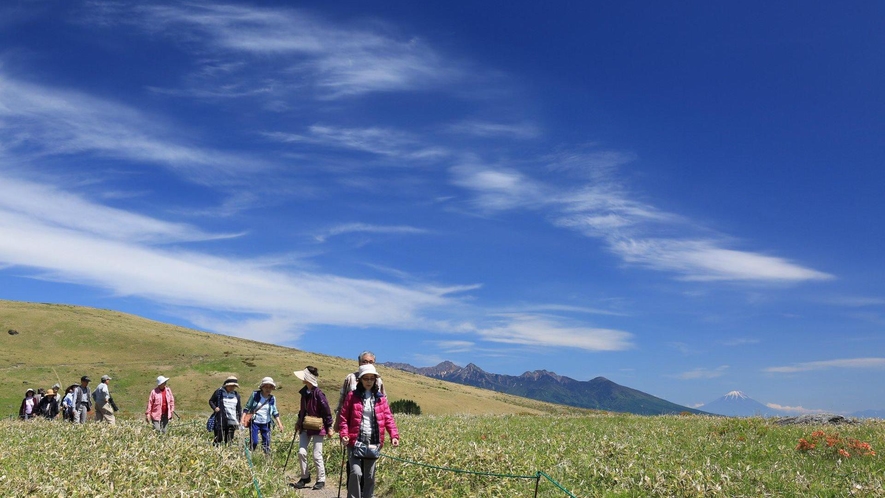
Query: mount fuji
738,404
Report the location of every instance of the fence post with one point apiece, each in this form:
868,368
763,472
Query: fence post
537,483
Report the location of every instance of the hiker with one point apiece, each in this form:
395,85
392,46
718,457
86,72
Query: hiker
82,401
104,410
350,382
48,407
160,405
28,409
39,397
225,402
68,403
260,413
364,418
313,405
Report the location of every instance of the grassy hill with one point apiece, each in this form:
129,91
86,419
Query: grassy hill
60,343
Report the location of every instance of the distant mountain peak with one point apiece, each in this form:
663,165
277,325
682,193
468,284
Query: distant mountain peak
738,404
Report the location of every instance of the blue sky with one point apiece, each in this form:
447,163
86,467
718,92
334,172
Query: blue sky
685,199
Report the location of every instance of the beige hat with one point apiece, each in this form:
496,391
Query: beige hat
162,380
306,376
231,381
267,380
367,369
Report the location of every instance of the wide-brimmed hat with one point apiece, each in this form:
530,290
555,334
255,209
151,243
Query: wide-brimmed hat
50,392
231,381
367,369
29,391
267,381
306,376
162,380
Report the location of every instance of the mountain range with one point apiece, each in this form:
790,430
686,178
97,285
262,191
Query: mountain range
598,394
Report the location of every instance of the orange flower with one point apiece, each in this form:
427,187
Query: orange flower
804,445
844,453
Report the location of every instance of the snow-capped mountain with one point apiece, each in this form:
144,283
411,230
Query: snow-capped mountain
738,404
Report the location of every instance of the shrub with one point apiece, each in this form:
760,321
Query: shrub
405,406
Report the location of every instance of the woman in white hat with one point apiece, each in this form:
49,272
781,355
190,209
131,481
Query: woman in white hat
363,420
28,409
260,413
228,410
160,405
314,405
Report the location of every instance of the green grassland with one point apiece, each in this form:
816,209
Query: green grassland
469,442
60,343
590,455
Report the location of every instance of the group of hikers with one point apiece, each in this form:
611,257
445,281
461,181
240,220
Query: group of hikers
76,404
361,417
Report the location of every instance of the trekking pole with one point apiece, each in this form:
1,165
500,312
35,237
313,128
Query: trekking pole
294,435
341,468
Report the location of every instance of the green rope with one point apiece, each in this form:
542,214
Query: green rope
553,481
246,443
459,471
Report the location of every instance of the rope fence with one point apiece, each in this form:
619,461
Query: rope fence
536,477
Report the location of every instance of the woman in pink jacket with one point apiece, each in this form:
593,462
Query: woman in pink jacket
160,406
363,420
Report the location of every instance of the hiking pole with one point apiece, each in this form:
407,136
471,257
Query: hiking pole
341,468
294,435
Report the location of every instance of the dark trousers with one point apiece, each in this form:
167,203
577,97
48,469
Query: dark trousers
225,434
264,430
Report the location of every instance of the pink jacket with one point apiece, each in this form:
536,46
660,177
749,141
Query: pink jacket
155,404
352,414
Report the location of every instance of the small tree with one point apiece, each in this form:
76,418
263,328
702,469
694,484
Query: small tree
405,406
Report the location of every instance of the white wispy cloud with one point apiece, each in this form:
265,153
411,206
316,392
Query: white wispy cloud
845,363
703,260
109,249
367,228
855,301
800,410
375,140
702,373
535,330
486,129
331,60
637,232
23,202
741,341
540,308
39,120
452,347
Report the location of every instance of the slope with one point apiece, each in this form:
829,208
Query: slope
59,343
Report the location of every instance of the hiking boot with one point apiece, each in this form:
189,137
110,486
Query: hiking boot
319,485
302,483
